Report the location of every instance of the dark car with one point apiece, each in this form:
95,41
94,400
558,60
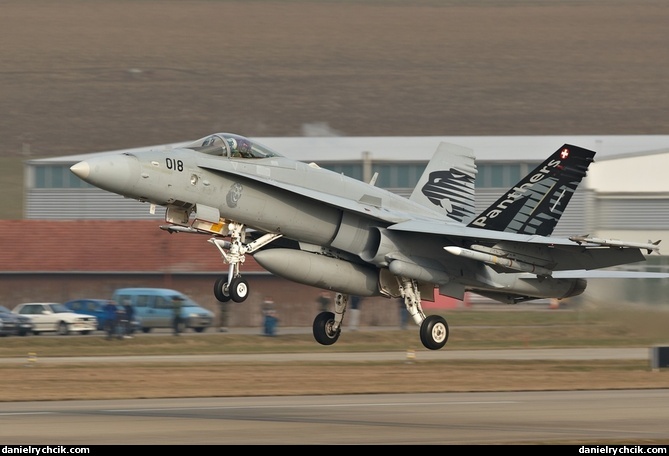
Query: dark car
12,324
96,308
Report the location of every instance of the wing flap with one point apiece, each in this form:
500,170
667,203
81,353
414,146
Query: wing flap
473,234
594,257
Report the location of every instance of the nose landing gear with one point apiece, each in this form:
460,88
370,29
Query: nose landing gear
234,251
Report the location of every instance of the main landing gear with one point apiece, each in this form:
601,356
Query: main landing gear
327,325
324,329
434,332
433,328
234,251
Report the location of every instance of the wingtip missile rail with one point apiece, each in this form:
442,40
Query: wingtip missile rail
649,246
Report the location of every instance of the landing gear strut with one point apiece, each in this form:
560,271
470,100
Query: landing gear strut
234,251
433,328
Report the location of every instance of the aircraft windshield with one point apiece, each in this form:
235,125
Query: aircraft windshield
229,145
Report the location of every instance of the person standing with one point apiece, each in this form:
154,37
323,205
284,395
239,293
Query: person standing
121,321
110,319
129,318
177,303
270,318
354,312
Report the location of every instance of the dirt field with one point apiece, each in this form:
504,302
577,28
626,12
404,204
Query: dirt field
37,379
189,379
80,76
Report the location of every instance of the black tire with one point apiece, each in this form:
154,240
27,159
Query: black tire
221,291
239,289
434,332
63,329
199,330
322,329
146,330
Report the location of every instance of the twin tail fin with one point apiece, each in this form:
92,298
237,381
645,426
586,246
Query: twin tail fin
536,203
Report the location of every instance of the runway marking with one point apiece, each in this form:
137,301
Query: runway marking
26,413
357,405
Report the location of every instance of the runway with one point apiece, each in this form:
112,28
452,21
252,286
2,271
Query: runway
569,417
426,355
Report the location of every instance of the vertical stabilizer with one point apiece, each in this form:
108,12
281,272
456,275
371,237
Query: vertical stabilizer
536,203
448,182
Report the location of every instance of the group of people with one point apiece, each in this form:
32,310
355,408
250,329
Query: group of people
121,324
118,320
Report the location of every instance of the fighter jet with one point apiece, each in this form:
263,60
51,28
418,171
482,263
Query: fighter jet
324,229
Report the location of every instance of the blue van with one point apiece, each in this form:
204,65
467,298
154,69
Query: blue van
153,308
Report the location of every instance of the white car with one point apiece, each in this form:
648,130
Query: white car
55,317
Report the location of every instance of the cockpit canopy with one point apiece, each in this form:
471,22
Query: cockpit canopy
229,145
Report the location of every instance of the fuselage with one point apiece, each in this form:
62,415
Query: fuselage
301,201
345,219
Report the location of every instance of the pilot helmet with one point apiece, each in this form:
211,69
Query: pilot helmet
232,143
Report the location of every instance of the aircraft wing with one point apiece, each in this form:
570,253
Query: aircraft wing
370,205
461,231
551,254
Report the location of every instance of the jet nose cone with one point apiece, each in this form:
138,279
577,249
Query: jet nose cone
81,169
112,172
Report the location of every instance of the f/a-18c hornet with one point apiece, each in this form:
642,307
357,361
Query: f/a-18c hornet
324,229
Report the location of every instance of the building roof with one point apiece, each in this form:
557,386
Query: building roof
421,148
86,246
